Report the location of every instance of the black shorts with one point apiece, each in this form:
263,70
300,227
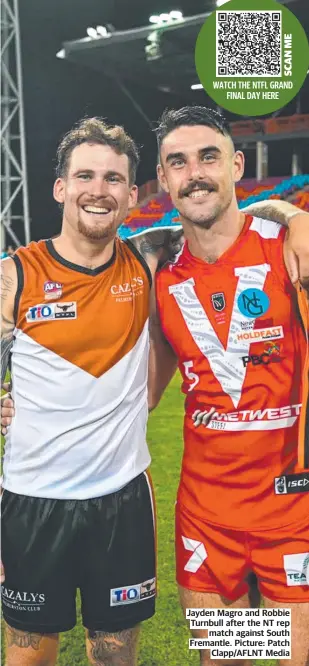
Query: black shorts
103,546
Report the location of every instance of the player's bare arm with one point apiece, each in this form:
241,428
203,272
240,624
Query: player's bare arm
8,291
296,247
162,359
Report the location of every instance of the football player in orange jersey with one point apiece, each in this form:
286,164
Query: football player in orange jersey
95,184
243,502
77,506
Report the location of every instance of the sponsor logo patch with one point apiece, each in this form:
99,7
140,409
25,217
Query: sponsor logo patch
218,301
292,483
47,312
271,354
296,568
270,418
52,290
253,303
261,334
133,593
127,290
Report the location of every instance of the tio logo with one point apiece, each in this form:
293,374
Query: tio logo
39,312
125,595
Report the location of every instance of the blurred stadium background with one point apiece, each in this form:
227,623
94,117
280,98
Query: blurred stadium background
127,62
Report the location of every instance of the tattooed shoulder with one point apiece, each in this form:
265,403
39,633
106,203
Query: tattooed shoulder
8,292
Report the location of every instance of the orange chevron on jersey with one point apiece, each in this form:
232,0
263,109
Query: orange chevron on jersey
110,305
236,330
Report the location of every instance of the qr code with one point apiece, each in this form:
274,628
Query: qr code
248,43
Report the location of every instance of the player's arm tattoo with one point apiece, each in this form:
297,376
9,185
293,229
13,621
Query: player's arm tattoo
161,245
7,322
113,649
278,211
22,639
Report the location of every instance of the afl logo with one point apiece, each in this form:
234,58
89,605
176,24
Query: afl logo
52,290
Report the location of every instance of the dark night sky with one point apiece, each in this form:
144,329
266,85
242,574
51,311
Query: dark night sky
57,93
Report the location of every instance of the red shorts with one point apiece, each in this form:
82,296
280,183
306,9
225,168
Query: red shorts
214,559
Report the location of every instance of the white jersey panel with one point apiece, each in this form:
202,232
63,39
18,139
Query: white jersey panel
75,436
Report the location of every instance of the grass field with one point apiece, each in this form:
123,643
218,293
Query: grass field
164,638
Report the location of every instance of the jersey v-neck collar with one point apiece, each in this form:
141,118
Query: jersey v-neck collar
75,267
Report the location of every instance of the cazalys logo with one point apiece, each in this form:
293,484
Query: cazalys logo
52,290
22,601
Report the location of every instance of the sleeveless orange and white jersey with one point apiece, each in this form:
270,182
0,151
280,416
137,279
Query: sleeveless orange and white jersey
236,330
79,372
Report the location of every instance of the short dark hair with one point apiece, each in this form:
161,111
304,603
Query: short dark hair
190,115
97,131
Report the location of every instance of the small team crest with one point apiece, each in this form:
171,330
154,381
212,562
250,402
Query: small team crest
218,301
52,290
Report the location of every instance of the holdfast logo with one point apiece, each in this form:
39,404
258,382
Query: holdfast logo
261,334
133,593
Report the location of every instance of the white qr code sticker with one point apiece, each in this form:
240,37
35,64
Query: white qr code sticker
249,43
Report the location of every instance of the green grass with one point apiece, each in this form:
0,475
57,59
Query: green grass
164,638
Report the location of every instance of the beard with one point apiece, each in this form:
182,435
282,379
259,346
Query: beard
96,232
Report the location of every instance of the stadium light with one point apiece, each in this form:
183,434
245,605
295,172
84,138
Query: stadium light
102,31
174,15
196,86
91,32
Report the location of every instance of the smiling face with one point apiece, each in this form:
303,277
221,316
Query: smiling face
199,169
96,193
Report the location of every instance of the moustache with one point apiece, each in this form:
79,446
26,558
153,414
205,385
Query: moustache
197,185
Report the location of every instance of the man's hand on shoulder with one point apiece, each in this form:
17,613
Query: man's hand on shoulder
158,246
296,246
7,409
